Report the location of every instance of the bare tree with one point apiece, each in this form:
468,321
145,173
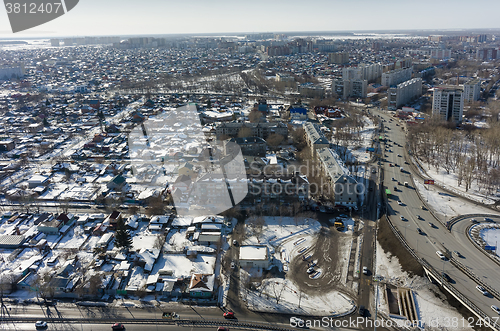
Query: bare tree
278,288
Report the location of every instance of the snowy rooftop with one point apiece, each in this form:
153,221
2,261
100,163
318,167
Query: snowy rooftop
253,252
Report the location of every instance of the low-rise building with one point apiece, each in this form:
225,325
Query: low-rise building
254,256
201,285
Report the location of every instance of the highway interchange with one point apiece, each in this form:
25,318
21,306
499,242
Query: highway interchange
436,237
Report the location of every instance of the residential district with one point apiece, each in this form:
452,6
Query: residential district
365,164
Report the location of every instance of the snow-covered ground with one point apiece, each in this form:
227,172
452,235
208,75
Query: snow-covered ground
491,236
446,204
357,151
431,305
289,298
450,182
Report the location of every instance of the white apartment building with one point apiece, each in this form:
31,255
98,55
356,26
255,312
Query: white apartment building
367,72
338,58
472,90
404,92
448,103
394,77
345,88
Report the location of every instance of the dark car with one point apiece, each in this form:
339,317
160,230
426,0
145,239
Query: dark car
362,311
118,326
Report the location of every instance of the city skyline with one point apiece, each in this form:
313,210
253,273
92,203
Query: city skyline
196,17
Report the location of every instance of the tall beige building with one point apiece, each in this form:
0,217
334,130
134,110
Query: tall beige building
448,103
338,58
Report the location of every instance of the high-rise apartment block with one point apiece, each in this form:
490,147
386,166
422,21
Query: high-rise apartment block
448,103
394,77
345,88
472,90
367,72
404,92
338,58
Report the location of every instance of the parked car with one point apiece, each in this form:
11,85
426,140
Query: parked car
310,270
40,325
402,218
365,270
400,203
441,255
420,217
423,208
432,225
487,219
229,315
481,289
495,309
233,265
235,242
118,326
473,220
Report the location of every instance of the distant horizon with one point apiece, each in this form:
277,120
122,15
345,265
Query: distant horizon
219,17
411,32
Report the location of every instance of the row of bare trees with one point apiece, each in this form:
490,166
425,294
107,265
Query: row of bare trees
471,155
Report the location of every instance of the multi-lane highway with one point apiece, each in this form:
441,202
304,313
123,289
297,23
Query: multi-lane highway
435,236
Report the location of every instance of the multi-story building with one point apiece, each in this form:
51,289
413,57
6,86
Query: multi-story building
253,146
345,88
472,90
488,53
310,90
9,71
342,185
394,77
448,103
367,72
261,130
315,137
404,92
440,53
338,58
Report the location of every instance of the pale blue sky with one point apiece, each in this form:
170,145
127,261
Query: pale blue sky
122,17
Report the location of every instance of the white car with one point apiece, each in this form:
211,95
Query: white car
441,255
40,325
495,309
400,203
481,289
365,270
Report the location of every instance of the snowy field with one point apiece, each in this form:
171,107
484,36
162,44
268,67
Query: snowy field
73,239
450,182
491,236
430,303
264,300
446,204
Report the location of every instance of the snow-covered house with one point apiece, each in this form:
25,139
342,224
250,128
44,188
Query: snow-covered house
254,256
201,285
147,258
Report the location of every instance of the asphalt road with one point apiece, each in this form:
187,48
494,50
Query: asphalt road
436,237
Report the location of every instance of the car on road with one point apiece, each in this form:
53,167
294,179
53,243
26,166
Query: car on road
310,270
40,325
235,242
399,155
391,165
365,270
233,265
495,309
487,219
362,310
419,217
432,225
222,328
446,277
420,231
458,254
400,203
423,208
399,183
118,326
229,315
473,220
481,289
402,218
393,179
406,162
441,255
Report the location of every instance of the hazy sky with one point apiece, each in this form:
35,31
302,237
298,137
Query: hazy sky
122,17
